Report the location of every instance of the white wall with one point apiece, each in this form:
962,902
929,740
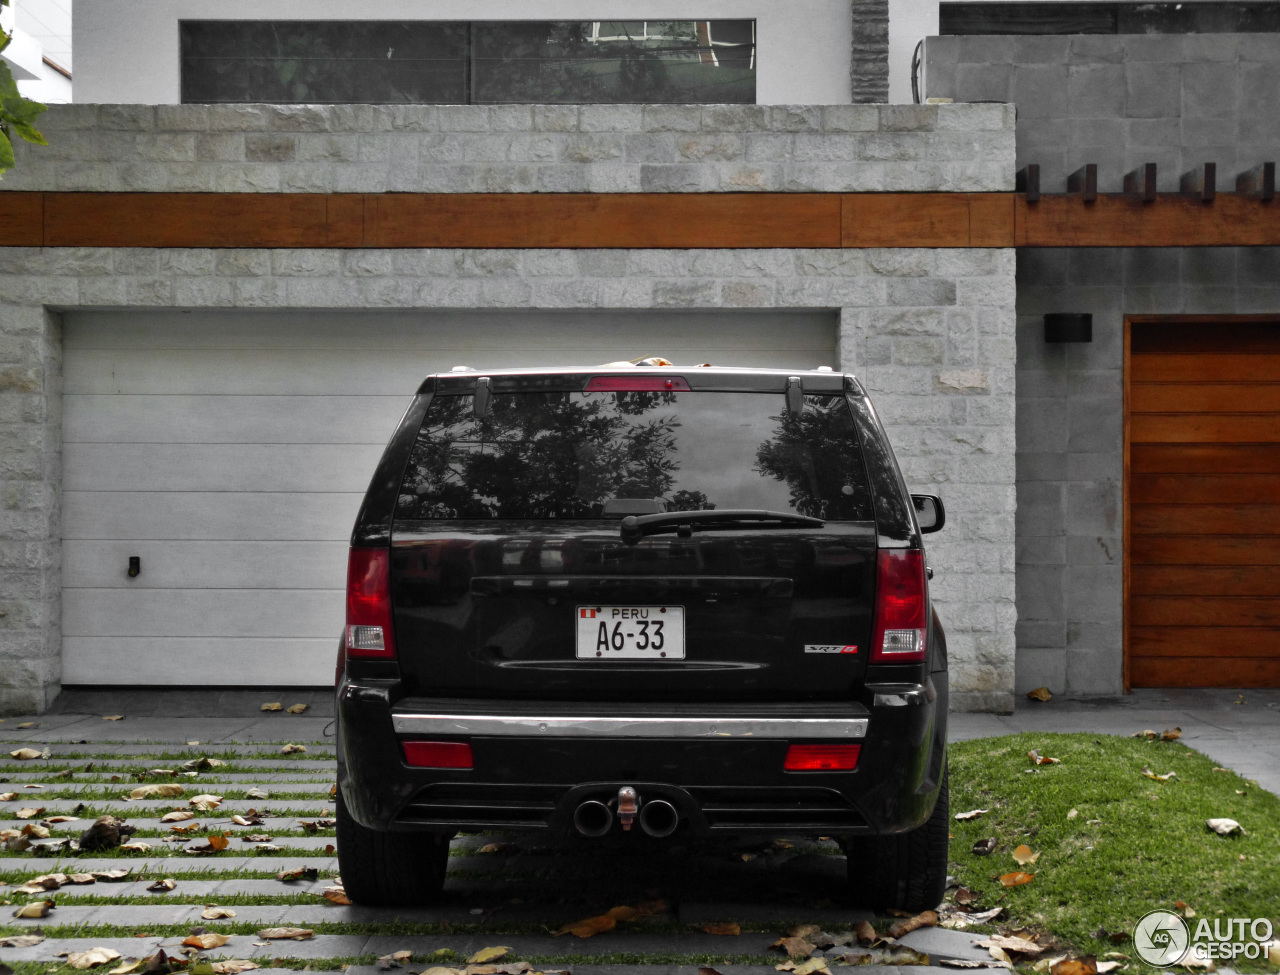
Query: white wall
127,50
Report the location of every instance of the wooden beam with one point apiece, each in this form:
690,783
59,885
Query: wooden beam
1084,181
1141,182
1201,182
1123,220
634,220
602,220
1259,181
21,219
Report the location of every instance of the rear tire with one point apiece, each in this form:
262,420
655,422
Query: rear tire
907,871
389,869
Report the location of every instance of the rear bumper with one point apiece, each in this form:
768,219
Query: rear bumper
720,766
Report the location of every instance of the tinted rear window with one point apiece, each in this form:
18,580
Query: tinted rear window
548,455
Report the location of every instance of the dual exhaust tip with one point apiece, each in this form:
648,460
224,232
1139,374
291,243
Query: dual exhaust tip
657,817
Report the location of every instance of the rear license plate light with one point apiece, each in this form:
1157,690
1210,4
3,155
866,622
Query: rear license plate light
438,754
821,758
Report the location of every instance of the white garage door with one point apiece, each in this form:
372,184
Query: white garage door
229,453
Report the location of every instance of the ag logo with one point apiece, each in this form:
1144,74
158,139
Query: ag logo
1161,938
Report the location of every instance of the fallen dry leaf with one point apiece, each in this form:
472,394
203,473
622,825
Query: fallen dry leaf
485,955
111,876
61,819
1022,946
28,813
257,838
256,793
1224,827
496,848
189,828
177,816
971,814
92,958
205,802
705,970
966,896
233,966
1171,734
27,754
300,873
865,933
163,886
925,919
588,927
984,847
1039,694
794,947
274,706
290,748
1038,759
286,934
1072,813
296,708
726,928
334,896
21,940
1017,879
214,913
806,931
113,717
1024,855
35,909
167,790
206,941
8,796
1159,778
1088,965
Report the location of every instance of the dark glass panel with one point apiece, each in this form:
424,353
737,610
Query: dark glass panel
578,62
330,62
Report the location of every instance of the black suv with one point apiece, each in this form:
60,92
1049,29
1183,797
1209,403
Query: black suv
642,602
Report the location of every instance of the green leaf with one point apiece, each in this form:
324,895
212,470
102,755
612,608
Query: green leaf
8,87
29,132
21,109
6,153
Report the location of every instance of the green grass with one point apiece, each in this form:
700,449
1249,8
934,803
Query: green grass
1135,845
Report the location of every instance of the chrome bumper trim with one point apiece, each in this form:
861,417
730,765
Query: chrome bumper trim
406,723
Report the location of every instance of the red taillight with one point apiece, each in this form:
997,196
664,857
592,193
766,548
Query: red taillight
821,758
369,630
438,754
637,384
898,632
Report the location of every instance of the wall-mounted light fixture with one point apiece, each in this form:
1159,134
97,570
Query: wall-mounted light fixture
1068,327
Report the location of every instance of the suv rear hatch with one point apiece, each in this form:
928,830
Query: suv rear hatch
654,536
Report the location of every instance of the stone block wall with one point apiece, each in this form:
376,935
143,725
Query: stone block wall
1177,100
519,148
931,332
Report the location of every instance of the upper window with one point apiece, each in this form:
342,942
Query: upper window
459,62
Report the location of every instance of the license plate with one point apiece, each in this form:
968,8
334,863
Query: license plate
630,633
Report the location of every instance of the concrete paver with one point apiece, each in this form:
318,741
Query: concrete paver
535,883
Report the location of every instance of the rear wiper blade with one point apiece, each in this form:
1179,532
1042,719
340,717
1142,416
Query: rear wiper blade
685,523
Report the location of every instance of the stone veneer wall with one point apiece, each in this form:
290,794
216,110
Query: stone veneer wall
869,66
931,332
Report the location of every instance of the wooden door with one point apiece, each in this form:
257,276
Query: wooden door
1202,518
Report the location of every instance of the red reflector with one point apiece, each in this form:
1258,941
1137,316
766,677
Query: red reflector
637,384
438,754
369,630
899,629
821,758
